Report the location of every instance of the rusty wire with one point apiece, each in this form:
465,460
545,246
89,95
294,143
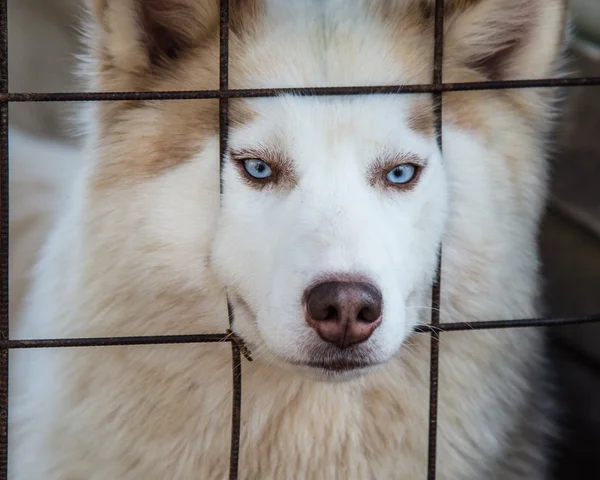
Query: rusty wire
19,97
434,356
4,328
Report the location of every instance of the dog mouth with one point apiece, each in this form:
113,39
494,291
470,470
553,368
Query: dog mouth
330,361
323,359
338,365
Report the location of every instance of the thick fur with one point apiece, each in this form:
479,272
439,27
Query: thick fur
144,247
42,46
41,172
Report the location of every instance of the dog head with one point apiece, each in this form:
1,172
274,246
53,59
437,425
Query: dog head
333,208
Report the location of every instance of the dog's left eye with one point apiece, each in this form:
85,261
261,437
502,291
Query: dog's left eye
402,174
257,168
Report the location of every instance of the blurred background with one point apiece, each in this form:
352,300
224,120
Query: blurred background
570,241
43,42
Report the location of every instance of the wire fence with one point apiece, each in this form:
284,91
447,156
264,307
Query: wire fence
435,328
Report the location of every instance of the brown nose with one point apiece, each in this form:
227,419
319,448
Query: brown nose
344,313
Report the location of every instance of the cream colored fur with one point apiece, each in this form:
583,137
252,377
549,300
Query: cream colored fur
42,46
143,247
41,172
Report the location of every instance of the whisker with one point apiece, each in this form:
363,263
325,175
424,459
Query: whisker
451,316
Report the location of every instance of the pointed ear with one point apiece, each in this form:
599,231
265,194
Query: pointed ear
506,39
136,35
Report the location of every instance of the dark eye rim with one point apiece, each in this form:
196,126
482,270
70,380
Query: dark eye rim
414,172
243,162
283,176
407,185
240,164
384,164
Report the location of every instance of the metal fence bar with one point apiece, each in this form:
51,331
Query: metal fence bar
236,359
434,357
302,91
236,412
223,86
496,324
4,322
115,341
223,337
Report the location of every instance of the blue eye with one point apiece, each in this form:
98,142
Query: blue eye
402,174
257,168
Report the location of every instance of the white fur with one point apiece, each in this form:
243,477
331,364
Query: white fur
156,256
40,171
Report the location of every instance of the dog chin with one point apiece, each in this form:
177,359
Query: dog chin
321,362
333,366
336,372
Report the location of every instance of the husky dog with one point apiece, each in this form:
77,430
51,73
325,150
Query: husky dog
325,240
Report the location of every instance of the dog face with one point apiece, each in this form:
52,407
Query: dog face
333,208
332,214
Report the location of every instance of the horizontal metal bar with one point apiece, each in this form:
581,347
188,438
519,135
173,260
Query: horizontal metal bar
495,324
308,91
223,337
116,341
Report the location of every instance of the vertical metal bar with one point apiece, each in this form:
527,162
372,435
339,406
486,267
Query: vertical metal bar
223,85
223,135
4,328
438,59
236,410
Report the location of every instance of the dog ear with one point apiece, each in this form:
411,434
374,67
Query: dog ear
505,39
137,35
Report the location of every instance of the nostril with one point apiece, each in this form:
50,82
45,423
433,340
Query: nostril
344,313
332,313
331,300
369,314
321,308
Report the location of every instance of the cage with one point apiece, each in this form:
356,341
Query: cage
572,225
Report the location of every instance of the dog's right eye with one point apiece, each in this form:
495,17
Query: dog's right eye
402,174
257,168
